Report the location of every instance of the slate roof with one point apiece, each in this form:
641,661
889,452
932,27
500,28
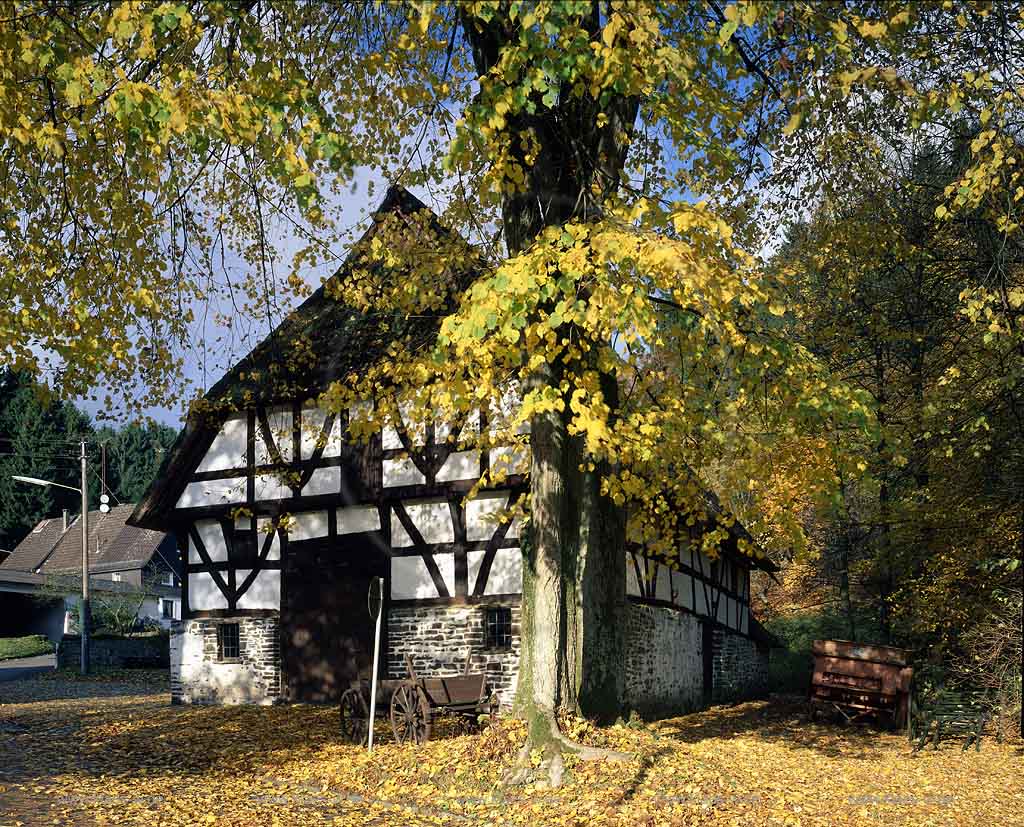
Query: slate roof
113,545
346,341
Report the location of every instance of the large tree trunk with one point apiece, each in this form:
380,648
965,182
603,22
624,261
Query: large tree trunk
574,554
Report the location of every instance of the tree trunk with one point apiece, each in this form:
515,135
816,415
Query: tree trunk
574,552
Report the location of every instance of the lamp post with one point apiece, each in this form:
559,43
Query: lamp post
83,606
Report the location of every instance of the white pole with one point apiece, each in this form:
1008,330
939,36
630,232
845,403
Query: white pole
376,653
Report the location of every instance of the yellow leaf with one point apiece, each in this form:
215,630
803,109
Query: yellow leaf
793,123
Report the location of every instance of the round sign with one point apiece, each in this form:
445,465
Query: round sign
104,498
104,508
375,596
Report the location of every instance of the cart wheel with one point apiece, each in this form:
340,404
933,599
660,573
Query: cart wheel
410,714
355,717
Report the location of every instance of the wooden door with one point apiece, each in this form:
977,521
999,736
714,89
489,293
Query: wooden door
326,630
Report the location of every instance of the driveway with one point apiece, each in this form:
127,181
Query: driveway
11,670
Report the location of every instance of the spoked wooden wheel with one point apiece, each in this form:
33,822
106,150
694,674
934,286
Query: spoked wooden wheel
355,717
410,714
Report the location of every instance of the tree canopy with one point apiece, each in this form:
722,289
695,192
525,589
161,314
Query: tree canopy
634,159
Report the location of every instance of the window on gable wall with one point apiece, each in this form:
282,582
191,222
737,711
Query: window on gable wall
498,627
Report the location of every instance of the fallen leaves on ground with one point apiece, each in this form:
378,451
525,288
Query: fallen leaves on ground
88,753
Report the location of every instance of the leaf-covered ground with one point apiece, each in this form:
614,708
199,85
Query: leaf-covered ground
105,752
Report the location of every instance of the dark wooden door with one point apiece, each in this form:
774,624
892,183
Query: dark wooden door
326,630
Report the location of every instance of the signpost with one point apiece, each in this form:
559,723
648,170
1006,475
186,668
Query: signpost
374,601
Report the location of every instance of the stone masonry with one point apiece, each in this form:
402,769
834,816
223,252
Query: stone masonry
739,667
437,638
114,653
664,672
254,677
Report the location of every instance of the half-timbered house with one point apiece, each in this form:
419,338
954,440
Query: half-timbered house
283,521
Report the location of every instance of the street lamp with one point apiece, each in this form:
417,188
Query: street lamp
83,606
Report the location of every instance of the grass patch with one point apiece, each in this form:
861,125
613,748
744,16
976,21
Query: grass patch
24,647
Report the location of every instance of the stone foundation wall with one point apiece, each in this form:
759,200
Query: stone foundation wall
739,668
197,677
114,653
437,638
664,669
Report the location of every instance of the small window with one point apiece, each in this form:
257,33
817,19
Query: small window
168,578
227,641
498,631
116,576
167,609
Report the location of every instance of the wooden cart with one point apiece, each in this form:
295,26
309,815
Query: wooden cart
412,702
859,680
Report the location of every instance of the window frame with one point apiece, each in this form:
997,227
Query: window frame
168,603
224,647
498,628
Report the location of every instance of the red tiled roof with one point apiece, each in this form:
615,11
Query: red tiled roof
113,545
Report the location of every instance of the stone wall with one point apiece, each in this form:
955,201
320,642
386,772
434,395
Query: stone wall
739,667
437,638
114,653
664,669
254,677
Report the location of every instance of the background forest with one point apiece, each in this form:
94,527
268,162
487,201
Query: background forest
919,549
40,438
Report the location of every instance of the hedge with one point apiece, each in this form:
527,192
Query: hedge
24,647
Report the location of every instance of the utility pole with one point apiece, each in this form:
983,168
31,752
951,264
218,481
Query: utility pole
83,606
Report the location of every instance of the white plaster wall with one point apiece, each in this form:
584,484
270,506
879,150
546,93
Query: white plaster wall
323,481
483,514
410,578
506,573
270,487
358,519
263,593
210,533
433,519
280,421
506,459
313,420
663,586
632,584
460,465
308,525
401,472
263,525
683,584
212,492
203,593
228,447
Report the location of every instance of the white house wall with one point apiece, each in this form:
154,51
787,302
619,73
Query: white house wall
358,519
263,593
203,594
505,575
228,448
411,580
483,514
432,519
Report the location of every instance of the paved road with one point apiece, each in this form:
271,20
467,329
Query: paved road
11,670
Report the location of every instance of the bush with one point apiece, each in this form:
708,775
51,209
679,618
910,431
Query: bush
790,668
24,647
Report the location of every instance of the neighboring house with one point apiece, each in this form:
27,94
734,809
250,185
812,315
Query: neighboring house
4,554
282,524
121,558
